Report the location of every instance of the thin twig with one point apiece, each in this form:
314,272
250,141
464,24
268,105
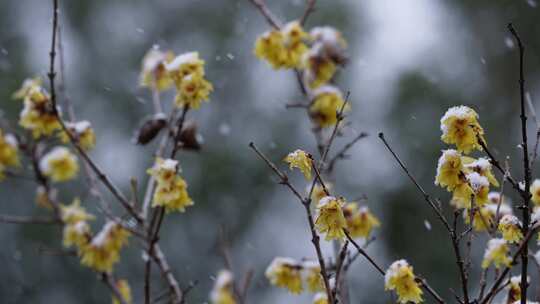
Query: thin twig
261,6
17,219
310,8
342,153
526,164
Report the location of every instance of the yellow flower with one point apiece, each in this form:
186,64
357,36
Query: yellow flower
285,273
284,48
222,293
327,102
330,219
496,253
74,213
514,289
400,277
535,192
449,170
484,217
125,292
171,190
59,164
476,187
318,191
38,114
82,132
27,86
302,160
187,72
76,234
9,152
460,126
320,298
360,221
313,277
153,72
104,250
510,227
320,62
193,91
481,166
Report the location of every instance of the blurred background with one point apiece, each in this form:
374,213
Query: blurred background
409,61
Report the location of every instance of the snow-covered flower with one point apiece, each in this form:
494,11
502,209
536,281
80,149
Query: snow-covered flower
496,253
222,292
285,273
187,72
476,187
153,72
330,219
400,278
9,152
481,166
326,103
282,48
510,227
312,273
59,164
171,191
26,88
460,126
360,220
302,160
38,114
449,170
103,251
535,192
82,132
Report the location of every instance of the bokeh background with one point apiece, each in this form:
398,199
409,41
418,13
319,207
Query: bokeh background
409,61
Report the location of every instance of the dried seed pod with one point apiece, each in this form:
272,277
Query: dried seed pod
149,129
189,138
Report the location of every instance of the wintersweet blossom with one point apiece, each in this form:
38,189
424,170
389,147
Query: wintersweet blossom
282,48
312,273
360,221
514,289
76,229
9,152
460,126
27,86
327,51
330,219
400,277
125,292
510,228
449,170
496,253
38,114
59,164
103,251
476,187
171,191
302,160
187,73
327,101
74,213
320,298
153,72
318,191
222,293
285,273
82,132
535,192
481,166
485,216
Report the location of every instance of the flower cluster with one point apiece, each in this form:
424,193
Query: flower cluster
171,189
76,229
161,70
59,164
400,277
222,293
9,152
485,217
316,55
290,274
